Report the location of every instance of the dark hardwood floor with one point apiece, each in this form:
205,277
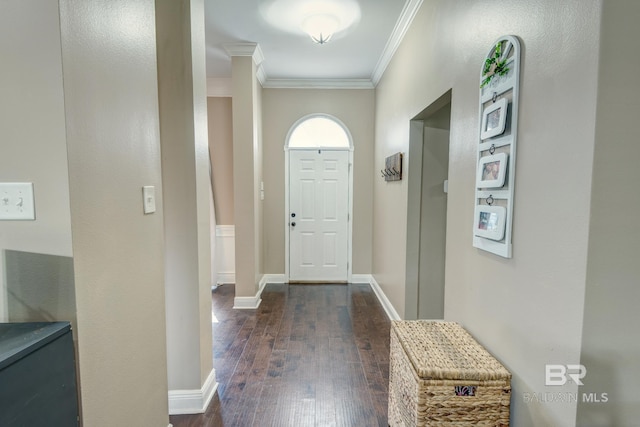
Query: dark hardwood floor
310,355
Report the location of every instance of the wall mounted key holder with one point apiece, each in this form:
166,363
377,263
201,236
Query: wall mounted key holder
393,168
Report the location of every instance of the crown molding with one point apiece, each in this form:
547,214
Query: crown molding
318,84
407,15
249,49
221,86
245,49
261,75
404,22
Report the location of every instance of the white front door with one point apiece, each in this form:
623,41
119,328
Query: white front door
318,215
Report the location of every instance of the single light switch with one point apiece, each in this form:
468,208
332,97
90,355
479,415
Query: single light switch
16,201
149,199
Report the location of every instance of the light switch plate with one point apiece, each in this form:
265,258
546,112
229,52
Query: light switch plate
16,201
149,199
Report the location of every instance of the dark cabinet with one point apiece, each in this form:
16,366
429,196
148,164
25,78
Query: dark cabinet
37,375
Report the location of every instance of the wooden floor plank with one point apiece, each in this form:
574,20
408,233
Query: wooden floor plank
310,355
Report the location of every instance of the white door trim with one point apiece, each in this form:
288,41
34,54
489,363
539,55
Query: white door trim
287,150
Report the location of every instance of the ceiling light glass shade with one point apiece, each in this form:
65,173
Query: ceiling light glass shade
320,19
320,27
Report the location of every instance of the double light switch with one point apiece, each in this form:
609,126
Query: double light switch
16,201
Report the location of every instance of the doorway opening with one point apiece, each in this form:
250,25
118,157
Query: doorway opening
427,210
318,200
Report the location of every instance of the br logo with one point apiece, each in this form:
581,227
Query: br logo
558,374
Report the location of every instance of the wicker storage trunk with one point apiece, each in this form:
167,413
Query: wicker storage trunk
440,376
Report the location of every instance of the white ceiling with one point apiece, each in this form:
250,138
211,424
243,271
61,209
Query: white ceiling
354,57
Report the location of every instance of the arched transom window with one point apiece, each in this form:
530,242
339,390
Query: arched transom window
319,131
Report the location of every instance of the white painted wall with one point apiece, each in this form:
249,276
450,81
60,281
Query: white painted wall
226,253
527,310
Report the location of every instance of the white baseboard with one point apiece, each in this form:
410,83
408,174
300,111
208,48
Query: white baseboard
247,303
251,303
361,278
183,402
384,301
272,278
226,278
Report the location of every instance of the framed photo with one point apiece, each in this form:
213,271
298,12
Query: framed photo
494,119
490,222
492,171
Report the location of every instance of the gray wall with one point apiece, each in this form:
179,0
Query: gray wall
610,344
526,310
80,120
32,135
113,146
221,150
247,175
433,223
281,109
40,288
185,190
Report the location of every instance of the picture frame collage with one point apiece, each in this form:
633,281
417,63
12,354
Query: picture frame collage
495,168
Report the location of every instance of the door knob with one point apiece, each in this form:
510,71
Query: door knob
293,224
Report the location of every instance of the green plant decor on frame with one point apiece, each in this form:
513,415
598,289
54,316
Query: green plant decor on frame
494,66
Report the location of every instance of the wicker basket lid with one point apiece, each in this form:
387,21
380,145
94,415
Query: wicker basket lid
444,350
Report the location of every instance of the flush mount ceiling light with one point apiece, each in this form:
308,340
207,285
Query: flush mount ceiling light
322,20
320,27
